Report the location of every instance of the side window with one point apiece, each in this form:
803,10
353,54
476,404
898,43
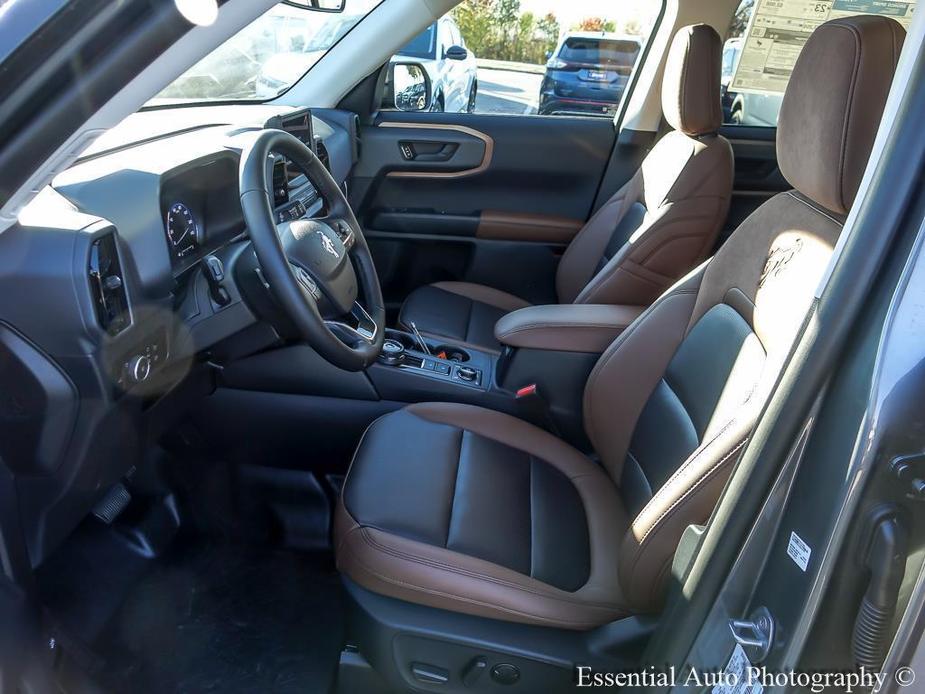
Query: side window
763,42
528,57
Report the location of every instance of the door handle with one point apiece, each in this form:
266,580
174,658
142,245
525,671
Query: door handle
427,151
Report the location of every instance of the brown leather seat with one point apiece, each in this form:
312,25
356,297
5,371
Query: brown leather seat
657,227
466,509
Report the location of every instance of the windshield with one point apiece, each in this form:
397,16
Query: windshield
267,56
422,45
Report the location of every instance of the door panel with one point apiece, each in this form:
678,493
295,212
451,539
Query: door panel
475,197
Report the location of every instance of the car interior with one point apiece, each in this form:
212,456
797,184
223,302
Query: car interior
314,394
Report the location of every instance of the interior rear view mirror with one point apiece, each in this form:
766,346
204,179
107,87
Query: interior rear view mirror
320,5
407,87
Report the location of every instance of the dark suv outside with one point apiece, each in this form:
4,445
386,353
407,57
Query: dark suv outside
587,73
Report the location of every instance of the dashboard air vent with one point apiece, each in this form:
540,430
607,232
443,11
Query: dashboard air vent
323,154
107,286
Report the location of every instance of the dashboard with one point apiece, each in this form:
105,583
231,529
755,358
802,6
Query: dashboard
129,247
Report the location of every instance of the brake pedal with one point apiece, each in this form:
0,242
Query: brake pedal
110,506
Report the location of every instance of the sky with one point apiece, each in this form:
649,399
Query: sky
572,11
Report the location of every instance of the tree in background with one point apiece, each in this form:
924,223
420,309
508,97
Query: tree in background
498,30
506,16
476,23
632,27
595,24
547,28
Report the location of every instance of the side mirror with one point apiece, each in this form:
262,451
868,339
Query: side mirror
407,87
548,55
456,53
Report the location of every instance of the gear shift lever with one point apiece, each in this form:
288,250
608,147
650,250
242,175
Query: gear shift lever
420,339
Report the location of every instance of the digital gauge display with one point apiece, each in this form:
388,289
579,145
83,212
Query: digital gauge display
182,230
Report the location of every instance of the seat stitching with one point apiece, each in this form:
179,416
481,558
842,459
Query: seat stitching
437,564
843,145
702,448
657,524
814,208
507,443
434,563
690,490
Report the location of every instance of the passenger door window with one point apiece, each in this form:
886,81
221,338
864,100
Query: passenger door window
539,57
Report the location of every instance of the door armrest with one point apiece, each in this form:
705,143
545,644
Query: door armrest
588,328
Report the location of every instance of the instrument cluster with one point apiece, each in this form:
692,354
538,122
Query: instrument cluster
201,207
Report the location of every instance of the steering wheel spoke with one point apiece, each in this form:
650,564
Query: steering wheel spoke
306,282
357,324
343,229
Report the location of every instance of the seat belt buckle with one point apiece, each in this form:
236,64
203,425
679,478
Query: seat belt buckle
535,407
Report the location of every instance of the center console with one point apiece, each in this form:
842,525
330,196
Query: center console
443,362
546,356
412,368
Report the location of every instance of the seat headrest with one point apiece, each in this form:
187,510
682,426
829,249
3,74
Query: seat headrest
832,107
690,86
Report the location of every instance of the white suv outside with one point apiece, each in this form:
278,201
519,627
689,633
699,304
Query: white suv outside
451,67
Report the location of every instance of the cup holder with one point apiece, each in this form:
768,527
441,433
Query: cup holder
448,352
451,353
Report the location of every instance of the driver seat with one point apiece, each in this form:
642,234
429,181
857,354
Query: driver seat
473,511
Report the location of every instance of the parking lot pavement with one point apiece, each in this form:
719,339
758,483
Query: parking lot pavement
505,91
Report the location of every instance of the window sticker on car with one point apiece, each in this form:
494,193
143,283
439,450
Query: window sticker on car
799,551
735,679
778,30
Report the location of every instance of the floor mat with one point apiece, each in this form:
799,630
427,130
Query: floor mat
230,619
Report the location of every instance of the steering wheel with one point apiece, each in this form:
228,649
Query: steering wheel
316,268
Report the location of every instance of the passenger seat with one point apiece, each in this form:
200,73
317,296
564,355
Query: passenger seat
659,225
